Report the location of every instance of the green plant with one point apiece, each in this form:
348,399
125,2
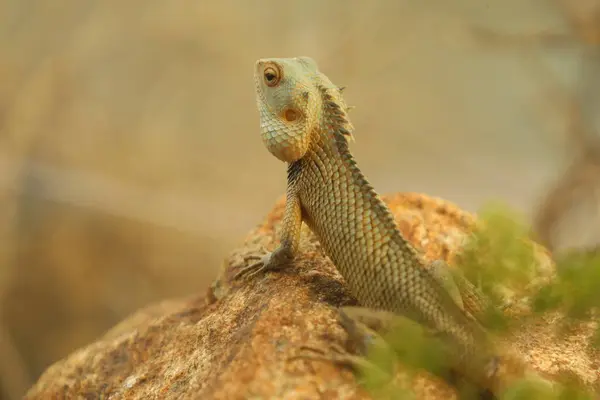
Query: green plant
496,255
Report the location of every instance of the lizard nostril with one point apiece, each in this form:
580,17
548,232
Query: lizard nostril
290,115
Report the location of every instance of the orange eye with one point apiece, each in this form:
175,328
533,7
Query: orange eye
272,75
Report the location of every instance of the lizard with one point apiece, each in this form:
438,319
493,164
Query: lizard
304,122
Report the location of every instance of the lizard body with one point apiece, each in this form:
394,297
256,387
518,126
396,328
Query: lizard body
304,122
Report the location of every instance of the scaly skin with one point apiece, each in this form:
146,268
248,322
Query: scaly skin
304,122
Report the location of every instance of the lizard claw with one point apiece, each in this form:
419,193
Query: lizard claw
271,261
255,268
340,357
251,257
336,348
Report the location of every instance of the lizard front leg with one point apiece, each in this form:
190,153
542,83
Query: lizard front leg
290,238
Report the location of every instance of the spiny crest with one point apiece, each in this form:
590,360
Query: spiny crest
341,90
335,110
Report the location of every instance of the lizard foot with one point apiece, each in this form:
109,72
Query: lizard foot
260,265
339,356
269,262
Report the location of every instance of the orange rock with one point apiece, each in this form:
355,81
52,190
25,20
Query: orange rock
235,341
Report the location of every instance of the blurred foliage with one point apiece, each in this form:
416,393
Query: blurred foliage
497,254
384,353
575,291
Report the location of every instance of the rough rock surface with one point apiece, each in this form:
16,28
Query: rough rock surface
235,341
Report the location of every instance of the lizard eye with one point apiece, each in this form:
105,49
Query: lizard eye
272,76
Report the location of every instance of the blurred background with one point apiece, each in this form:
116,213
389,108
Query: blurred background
130,156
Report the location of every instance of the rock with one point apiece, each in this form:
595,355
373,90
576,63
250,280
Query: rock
236,340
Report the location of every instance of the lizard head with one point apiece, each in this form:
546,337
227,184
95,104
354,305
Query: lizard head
289,104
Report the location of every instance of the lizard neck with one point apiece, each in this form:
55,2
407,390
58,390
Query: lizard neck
335,127
339,204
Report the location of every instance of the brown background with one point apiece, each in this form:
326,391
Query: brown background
130,157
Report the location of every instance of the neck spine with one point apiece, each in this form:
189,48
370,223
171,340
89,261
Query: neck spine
336,130
335,125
